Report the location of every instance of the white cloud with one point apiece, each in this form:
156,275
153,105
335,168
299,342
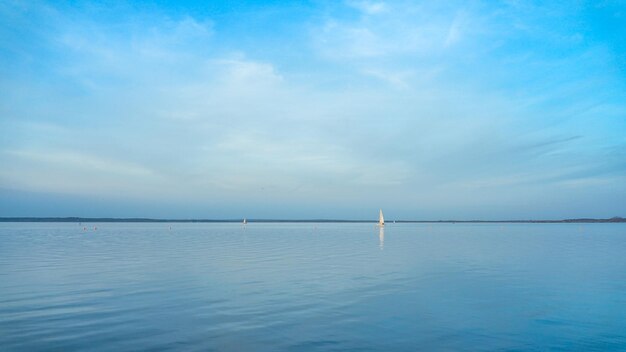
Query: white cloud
455,31
404,30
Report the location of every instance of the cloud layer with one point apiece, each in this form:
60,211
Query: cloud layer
481,110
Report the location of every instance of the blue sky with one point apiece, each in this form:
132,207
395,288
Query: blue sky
322,109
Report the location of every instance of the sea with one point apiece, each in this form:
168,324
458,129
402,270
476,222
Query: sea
312,287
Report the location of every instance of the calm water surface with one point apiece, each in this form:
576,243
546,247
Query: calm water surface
312,287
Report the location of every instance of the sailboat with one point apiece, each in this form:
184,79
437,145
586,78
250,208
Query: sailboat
381,218
245,221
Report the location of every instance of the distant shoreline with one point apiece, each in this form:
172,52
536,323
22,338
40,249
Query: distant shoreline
148,220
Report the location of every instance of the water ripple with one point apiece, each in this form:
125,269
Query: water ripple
318,287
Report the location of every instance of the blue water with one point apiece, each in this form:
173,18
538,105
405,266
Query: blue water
312,287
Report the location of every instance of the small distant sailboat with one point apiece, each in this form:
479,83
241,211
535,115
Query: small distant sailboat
381,218
245,221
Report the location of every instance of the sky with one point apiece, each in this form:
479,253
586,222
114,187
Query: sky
313,109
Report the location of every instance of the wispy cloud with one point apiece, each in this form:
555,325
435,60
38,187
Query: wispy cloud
368,7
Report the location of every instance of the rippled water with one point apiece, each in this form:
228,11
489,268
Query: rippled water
312,287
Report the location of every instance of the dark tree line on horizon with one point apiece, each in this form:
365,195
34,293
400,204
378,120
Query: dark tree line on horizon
81,219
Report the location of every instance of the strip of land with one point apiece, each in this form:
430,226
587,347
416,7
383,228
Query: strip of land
616,219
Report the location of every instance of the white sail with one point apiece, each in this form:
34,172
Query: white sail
381,218
245,221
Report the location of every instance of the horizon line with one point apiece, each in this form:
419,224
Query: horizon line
238,220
